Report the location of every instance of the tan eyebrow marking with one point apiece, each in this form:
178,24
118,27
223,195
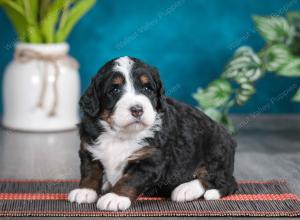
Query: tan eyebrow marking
144,79
119,80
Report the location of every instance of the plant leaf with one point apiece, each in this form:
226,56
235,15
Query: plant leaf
274,29
215,95
34,6
294,20
43,8
16,15
13,5
244,67
276,56
244,93
49,21
296,97
214,114
228,123
291,69
76,12
241,99
220,118
247,89
31,14
246,51
65,13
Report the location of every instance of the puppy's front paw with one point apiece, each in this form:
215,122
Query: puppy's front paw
212,194
187,191
113,202
83,195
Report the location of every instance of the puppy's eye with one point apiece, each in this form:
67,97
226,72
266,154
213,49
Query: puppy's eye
115,90
147,88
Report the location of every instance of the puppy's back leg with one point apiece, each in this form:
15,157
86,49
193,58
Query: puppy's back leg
218,191
216,184
218,170
212,194
194,189
188,191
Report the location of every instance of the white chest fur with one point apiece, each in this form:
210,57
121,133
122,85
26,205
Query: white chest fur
113,152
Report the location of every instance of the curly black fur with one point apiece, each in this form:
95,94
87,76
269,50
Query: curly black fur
189,144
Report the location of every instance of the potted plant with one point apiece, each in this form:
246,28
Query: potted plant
236,85
42,85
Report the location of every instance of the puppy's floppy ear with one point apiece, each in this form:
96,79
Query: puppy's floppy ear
89,102
160,91
161,96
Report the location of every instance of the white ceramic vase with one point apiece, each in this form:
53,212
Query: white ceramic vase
41,89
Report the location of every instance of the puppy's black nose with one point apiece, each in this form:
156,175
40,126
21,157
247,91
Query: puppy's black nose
136,111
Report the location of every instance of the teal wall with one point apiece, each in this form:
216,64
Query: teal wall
190,41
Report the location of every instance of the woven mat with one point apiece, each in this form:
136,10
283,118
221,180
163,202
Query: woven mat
48,198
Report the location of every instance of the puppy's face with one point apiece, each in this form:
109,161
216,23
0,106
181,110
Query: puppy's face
126,94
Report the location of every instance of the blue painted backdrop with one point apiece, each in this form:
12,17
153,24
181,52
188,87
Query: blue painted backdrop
190,41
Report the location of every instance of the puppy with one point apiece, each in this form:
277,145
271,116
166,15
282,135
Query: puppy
135,140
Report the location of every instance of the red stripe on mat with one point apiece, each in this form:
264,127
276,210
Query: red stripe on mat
63,196
50,196
156,213
38,181
265,197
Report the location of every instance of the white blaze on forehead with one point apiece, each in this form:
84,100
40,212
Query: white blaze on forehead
124,65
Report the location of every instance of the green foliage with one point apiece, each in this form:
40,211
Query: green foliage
244,93
274,29
280,56
31,17
215,95
245,66
296,97
50,19
294,18
45,21
73,16
276,56
215,99
16,15
290,69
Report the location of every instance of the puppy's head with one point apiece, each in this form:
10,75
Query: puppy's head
126,93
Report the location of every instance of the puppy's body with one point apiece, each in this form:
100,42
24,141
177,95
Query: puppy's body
140,141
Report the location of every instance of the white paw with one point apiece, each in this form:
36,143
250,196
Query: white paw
212,194
187,191
113,202
83,196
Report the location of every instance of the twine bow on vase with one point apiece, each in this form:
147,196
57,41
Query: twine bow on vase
27,55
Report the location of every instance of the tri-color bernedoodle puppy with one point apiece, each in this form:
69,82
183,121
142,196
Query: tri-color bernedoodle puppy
135,140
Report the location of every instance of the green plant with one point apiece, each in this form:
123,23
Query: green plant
45,21
236,84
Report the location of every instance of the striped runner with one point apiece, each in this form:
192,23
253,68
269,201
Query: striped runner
48,198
